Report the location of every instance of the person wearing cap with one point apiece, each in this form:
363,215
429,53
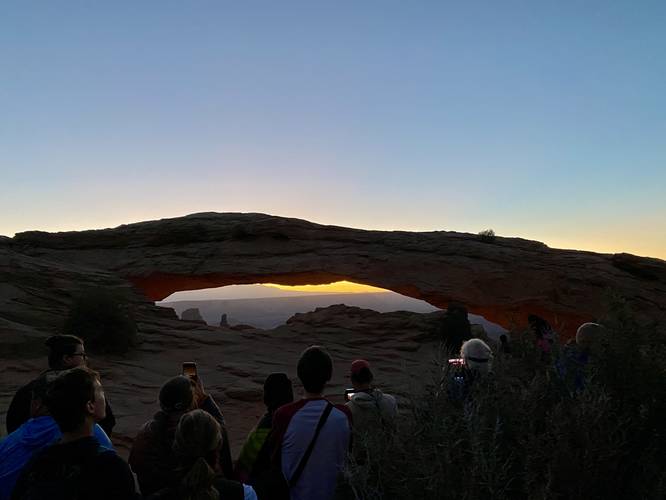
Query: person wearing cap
151,457
254,459
373,412
476,361
578,353
477,356
65,352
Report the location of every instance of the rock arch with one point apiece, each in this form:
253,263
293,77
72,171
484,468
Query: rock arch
504,279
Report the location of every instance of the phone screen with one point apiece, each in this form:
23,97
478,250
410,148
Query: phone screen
348,394
190,369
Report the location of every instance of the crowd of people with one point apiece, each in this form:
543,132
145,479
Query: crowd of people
58,424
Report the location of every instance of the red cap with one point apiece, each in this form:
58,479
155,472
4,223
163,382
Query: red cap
359,364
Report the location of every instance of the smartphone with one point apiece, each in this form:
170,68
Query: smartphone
190,369
349,393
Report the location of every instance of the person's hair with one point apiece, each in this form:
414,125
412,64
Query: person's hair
196,443
540,325
68,395
41,385
363,376
277,391
59,346
315,368
477,355
588,335
176,394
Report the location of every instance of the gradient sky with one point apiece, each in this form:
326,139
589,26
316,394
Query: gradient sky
545,120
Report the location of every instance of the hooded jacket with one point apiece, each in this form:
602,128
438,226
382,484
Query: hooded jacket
20,446
152,458
373,411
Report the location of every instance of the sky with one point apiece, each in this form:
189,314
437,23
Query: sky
543,120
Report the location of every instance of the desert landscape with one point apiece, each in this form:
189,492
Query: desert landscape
41,273
458,206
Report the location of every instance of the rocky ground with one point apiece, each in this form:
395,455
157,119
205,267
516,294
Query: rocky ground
233,364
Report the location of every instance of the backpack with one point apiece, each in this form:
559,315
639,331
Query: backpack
54,479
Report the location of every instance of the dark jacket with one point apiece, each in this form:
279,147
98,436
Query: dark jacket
254,458
19,410
229,490
80,469
152,458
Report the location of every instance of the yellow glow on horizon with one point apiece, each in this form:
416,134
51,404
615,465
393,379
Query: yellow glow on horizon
337,287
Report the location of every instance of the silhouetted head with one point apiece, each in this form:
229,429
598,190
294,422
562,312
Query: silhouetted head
589,335
65,351
315,368
74,396
277,391
361,375
176,394
197,445
39,389
477,355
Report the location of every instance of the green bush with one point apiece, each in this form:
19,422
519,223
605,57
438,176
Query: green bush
526,433
103,321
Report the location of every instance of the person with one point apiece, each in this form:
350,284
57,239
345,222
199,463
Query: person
578,353
197,443
254,460
311,423
65,352
505,346
32,436
151,456
76,466
475,361
372,410
455,327
543,333
477,356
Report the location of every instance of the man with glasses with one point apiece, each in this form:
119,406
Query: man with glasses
65,352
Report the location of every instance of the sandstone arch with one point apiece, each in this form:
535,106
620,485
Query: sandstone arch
502,280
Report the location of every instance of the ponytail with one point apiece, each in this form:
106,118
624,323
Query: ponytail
198,482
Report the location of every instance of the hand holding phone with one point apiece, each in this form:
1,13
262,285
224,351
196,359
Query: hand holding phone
349,393
190,369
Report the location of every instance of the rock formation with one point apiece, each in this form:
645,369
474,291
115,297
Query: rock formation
224,321
503,280
193,314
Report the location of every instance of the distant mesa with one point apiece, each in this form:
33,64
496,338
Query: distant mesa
503,280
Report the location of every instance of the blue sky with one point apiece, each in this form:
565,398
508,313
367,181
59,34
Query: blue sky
545,120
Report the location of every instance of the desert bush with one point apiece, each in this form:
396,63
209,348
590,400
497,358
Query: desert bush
487,235
103,320
525,433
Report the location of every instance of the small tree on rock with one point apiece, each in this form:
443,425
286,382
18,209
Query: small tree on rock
103,320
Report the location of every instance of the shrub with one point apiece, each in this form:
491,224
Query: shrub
103,321
525,433
487,235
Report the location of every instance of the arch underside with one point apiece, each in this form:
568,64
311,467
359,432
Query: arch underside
159,286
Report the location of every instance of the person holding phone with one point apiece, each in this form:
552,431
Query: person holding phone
374,413
151,457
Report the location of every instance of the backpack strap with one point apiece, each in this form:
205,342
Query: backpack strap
304,460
